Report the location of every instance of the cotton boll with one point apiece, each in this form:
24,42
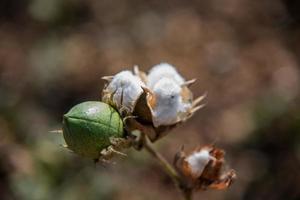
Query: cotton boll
203,168
152,103
167,102
185,105
164,70
198,161
124,90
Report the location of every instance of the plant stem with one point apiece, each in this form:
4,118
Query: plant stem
187,194
169,169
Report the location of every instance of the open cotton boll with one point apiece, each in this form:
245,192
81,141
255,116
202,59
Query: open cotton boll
125,89
167,102
198,161
163,70
203,168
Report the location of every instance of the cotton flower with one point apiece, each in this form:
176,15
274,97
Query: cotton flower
123,91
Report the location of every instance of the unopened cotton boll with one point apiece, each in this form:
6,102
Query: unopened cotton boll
164,70
124,90
167,102
198,161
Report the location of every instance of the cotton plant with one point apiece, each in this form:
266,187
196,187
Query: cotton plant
137,109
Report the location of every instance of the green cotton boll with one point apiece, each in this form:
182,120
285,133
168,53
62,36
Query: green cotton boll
88,127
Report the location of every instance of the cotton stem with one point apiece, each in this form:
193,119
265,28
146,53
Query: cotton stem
169,169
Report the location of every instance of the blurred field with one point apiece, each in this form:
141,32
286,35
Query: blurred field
244,53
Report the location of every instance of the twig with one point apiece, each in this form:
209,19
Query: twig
186,192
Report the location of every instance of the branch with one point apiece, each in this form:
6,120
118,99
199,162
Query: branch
169,169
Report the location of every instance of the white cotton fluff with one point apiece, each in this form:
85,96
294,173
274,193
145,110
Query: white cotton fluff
184,106
126,89
197,162
168,102
163,70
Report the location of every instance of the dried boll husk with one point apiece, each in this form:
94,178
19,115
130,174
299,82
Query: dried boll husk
202,169
122,91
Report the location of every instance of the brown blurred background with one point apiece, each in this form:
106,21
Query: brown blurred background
244,53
